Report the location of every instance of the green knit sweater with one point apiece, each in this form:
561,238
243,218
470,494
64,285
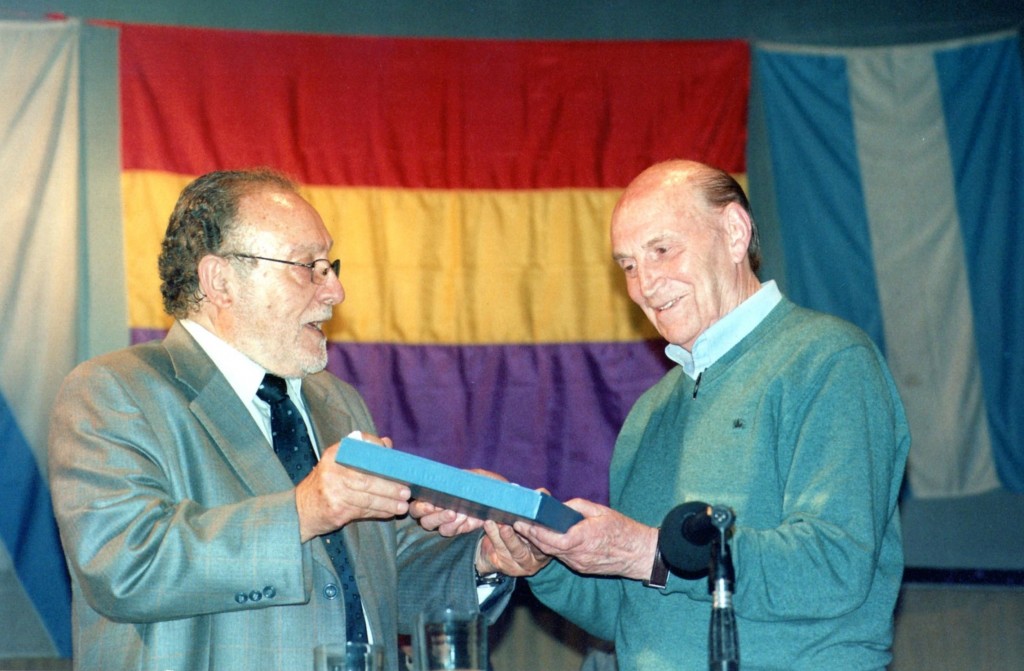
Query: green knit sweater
800,430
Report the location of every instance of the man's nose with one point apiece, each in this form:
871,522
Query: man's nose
332,291
648,277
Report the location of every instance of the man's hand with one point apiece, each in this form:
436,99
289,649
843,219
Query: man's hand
605,542
333,495
503,550
445,521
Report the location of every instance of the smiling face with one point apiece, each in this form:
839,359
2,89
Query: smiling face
277,315
684,260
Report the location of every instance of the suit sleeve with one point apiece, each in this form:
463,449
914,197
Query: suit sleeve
141,545
431,569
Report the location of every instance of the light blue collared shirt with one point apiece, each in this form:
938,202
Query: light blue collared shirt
723,335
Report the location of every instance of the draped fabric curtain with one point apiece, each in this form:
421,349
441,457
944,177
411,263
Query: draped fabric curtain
39,262
468,186
899,182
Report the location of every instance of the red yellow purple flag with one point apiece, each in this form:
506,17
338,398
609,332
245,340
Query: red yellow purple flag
468,186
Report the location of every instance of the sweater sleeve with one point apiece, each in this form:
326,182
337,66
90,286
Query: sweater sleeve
846,438
590,602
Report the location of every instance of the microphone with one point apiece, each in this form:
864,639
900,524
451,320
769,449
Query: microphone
683,540
685,534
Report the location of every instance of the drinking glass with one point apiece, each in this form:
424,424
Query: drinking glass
450,639
348,657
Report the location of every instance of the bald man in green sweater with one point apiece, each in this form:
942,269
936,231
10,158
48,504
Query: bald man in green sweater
787,416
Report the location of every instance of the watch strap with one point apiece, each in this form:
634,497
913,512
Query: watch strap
492,579
659,571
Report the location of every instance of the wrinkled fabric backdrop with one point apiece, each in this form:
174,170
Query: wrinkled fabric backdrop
468,186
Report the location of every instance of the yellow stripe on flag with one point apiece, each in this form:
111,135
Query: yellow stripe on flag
436,266
147,200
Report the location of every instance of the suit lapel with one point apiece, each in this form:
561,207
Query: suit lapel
231,428
220,411
233,432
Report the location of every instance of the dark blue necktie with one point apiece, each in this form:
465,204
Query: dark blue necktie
294,449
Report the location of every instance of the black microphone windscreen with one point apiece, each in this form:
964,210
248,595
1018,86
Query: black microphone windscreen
690,556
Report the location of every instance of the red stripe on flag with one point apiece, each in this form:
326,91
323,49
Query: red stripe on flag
428,113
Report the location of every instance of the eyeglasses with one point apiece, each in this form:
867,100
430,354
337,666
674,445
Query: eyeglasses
318,269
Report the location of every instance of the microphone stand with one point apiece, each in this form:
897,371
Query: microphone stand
723,640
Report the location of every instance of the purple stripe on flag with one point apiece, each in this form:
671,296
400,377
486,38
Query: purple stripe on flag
541,415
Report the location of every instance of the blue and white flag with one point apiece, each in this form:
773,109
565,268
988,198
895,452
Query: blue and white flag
39,139
899,186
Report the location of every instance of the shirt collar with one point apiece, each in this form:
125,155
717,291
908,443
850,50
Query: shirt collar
724,334
242,373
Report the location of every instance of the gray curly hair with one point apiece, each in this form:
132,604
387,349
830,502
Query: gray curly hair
203,218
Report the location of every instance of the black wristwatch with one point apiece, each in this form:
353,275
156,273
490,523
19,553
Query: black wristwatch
659,571
491,579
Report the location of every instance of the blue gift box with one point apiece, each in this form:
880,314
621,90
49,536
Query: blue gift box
457,489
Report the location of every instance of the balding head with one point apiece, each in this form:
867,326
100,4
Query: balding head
679,181
683,236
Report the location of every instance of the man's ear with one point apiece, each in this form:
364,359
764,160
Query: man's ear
738,229
216,277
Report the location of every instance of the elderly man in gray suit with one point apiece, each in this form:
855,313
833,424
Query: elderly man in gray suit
189,544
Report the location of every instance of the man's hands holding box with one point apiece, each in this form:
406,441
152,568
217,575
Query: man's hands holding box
454,501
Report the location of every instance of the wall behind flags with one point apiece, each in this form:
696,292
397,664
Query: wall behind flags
509,347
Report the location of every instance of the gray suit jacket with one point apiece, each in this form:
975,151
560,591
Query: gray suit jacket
181,532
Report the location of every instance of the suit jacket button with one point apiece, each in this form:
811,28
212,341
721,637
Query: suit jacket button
241,597
255,595
269,592
331,590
